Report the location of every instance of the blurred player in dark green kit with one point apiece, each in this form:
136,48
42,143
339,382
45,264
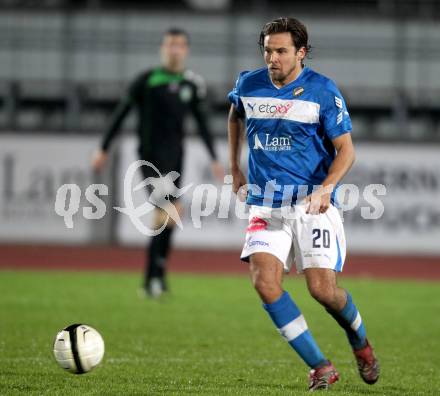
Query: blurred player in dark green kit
162,97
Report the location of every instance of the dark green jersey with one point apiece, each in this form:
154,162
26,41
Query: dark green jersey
162,100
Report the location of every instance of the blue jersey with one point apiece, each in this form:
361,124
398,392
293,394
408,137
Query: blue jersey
289,132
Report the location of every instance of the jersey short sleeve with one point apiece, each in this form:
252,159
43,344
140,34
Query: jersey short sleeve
334,115
234,95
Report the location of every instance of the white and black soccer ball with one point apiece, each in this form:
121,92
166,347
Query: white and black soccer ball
78,348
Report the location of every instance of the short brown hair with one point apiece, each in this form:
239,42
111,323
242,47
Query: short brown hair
297,30
176,31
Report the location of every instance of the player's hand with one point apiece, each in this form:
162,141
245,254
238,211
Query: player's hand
218,171
238,181
319,201
99,160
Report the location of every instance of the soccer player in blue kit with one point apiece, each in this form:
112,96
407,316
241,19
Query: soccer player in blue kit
298,132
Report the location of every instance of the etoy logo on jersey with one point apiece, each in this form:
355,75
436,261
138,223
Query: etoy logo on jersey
271,109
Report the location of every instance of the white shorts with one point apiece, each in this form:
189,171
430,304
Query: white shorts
312,241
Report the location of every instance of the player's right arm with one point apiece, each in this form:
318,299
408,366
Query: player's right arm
100,156
235,135
235,139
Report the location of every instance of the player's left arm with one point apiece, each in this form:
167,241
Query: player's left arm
345,156
336,125
200,113
320,200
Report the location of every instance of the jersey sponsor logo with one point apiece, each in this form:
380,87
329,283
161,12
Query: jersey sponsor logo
257,243
286,109
274,143
257,143
251,106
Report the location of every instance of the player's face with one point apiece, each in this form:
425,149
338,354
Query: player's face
174,50
282,58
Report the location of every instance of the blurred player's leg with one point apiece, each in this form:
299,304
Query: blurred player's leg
155,269
158,250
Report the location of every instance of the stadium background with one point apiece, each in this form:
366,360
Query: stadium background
64,65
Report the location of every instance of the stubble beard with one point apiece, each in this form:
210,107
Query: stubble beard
283,77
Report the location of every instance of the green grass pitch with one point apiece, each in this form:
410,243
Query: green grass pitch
209,337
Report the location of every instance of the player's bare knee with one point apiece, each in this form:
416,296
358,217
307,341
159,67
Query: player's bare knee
267,287
324,294
266,274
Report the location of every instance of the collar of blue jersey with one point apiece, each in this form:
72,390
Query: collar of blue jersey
292,83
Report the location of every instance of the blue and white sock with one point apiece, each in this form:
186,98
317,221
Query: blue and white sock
351,321
293,327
